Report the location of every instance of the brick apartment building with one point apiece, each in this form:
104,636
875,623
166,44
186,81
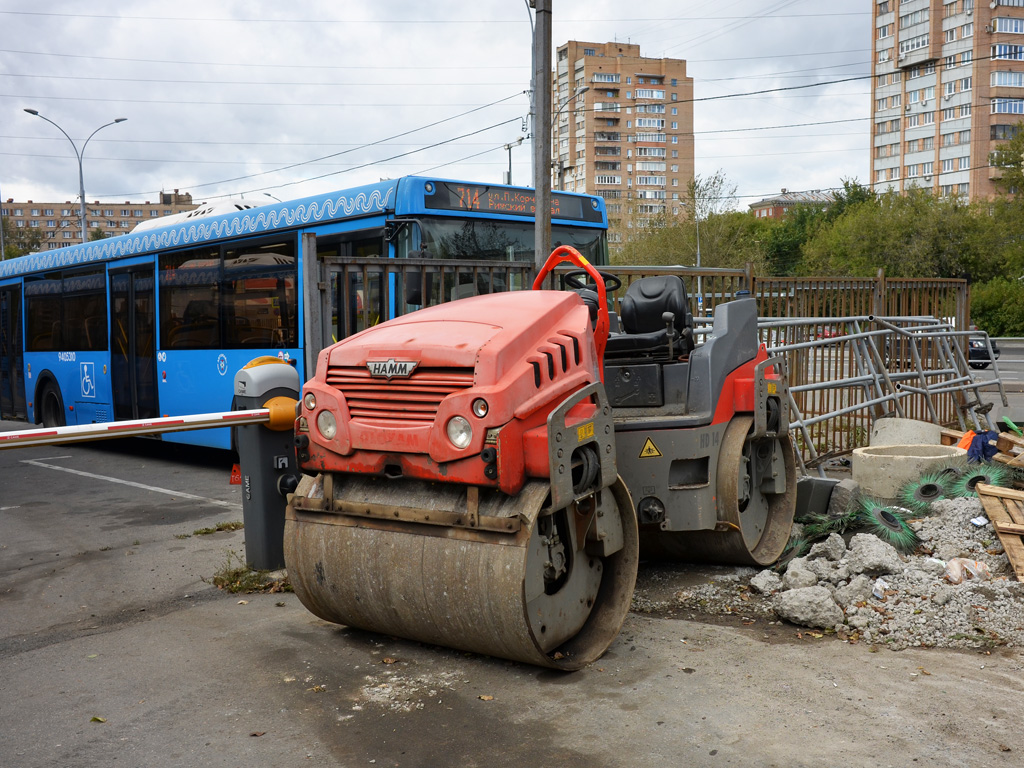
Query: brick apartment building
622,128
60,223
948,86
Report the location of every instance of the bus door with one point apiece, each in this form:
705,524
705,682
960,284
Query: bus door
355,269
133,348
12,382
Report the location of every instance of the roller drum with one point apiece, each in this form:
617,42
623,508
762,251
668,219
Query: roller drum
485,591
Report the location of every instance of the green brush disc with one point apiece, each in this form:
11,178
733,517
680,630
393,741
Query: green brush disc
888,524
990,474
918,496
952,471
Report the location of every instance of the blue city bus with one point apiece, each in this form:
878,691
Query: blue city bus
156,322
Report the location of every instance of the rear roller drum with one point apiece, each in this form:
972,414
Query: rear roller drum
554,594
755,501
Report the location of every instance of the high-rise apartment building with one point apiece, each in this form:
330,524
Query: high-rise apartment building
622,128
60,224
948,85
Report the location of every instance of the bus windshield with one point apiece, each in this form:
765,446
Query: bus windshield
481,239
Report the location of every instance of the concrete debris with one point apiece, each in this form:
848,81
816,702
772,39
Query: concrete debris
843,498
766,582
809,607
831,588
869,554
798,576
832,548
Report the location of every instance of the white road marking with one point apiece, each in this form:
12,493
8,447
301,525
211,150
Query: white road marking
153,488
4,509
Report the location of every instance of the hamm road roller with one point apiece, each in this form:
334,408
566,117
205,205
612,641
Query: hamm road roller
483,474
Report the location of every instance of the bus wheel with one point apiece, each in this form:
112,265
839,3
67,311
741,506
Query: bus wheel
51,406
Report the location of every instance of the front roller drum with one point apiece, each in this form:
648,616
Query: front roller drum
553,593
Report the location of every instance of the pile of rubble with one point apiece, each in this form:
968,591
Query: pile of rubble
861,588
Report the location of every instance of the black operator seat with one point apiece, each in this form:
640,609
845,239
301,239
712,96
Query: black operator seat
643,309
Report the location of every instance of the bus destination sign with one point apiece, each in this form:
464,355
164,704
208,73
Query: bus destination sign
483,198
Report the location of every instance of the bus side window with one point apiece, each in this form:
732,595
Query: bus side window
190,300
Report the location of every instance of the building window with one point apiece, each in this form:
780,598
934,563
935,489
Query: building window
927,118
1008,106
965,163
965,84
914,43
1008,52
965,58
884,31
917,17
965,110
967,30
589,52
926,168
1011,79
949,165
1012,26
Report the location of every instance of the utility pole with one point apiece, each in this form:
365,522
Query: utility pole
542,131
3,249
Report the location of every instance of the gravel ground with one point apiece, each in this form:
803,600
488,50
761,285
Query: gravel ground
918,606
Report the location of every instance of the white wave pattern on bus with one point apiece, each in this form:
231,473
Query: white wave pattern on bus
245,222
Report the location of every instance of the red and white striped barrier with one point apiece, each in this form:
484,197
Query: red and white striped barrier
106,430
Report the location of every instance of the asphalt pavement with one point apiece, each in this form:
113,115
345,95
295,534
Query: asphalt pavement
116,650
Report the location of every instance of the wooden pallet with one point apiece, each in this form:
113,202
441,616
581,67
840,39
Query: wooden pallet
1005,510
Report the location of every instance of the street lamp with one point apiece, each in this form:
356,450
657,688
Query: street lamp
554,119
79,155
516,143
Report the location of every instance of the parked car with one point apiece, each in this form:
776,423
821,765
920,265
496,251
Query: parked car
978,354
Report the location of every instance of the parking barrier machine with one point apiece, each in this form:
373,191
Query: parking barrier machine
266,455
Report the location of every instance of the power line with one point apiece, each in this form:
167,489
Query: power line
244,20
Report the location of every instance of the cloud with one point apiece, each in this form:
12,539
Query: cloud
297,99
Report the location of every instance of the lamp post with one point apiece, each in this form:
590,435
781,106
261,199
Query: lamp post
79,155
578,92
516,143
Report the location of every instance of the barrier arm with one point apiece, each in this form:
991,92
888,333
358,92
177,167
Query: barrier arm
81,433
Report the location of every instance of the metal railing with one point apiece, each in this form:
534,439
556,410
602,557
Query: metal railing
846,372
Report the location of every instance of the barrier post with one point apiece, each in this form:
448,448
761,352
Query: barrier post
266,454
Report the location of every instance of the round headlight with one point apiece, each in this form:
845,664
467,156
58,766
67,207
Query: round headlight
309,401
479,407
326,423
459,431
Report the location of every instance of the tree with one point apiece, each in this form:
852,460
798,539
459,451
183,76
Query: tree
97,234
19,241
910,235
1009,158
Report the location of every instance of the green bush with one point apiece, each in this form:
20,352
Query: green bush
998,307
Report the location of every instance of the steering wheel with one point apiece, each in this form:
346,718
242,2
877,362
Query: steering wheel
572,279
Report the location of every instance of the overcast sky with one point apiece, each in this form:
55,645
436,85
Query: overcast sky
292,99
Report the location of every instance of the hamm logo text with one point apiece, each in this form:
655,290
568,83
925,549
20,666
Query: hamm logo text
392,368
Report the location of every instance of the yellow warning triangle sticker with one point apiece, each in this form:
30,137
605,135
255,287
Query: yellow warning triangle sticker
650,450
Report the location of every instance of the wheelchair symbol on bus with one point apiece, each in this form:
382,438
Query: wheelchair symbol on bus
88,374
